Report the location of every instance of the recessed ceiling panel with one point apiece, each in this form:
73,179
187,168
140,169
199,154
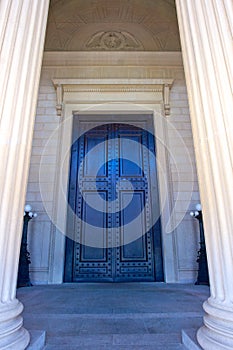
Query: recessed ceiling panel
112,25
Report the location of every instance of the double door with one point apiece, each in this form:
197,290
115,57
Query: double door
114,229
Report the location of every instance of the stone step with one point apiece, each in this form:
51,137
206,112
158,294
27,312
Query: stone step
81,325
116,347
115,340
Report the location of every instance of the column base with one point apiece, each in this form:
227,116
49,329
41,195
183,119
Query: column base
12,335
217,332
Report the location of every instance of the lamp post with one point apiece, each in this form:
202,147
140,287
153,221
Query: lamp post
24,259
203,275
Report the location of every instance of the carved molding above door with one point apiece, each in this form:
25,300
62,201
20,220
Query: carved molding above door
113,91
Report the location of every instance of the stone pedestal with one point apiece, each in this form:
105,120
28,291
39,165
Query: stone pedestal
22,32
206,38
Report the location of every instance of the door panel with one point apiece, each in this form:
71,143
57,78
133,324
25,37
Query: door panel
137,248
91,218
130,153
98,159
110,191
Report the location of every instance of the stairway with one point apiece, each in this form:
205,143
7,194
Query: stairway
101,331
113,316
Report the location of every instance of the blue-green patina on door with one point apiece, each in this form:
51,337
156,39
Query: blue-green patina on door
116,234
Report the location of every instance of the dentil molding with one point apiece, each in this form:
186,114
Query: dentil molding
68,90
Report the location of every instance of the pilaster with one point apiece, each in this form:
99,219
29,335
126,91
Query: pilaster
206,38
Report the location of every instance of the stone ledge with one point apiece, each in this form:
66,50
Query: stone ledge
189,339
37,340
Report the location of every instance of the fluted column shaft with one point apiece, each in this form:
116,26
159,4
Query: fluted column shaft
206,28
22,33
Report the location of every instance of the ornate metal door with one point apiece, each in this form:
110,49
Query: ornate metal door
115,228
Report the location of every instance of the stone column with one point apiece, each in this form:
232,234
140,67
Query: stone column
206,36
22,33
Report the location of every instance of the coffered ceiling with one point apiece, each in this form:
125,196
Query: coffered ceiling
112,25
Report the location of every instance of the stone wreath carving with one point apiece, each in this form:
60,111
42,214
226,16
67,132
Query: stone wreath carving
113,41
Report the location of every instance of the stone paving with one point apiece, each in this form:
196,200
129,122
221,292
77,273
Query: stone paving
113,316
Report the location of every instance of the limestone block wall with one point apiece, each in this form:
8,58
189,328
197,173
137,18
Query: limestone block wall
187,232
39,232
181,181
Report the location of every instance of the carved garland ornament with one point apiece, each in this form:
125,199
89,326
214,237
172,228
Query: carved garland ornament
113,41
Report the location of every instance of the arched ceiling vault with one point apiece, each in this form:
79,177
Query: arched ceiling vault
112,25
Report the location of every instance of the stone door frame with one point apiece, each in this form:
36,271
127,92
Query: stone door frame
122,96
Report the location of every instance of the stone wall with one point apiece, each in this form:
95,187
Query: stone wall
113,65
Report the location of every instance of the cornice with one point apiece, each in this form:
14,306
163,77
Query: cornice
66,87
94,58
